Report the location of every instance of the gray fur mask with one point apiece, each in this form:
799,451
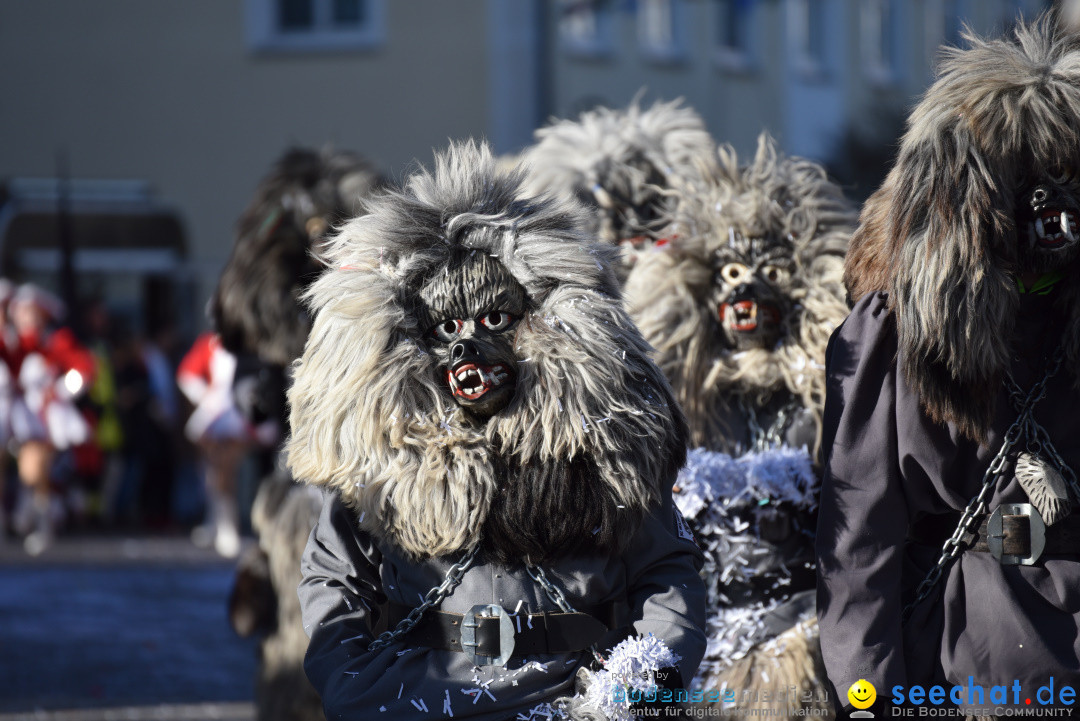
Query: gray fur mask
750,291
1048,220
472,309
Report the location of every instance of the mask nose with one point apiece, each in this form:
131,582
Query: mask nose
460,349
743,291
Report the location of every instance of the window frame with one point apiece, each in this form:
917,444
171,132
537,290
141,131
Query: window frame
809,57
264,35
675,50
601,44
736,59
880,70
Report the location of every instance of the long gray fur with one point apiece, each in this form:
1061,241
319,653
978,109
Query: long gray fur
776,197
939,236
369,414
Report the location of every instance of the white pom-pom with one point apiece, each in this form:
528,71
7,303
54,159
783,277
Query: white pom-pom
629,673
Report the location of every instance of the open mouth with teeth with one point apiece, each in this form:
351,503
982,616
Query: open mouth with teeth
745,316
471,381
1054,228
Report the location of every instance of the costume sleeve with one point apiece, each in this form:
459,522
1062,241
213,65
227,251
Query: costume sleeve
193,373
340,593
666,593
863,515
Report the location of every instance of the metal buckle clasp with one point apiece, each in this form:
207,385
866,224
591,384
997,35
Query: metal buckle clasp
995,534
469,644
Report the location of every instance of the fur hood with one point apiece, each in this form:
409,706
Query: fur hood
371,418
620,161
255,307
940,235
792,209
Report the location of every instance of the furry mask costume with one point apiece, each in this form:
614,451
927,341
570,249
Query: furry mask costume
471,375
257,311
984,191
620,162
741,305
256,305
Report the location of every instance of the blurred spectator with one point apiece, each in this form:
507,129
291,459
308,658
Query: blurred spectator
133,410
8,343
163,411
51,369
99,463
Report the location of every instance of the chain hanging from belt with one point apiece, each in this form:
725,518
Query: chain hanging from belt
433,598
452,580
556,596
1025,428
762,439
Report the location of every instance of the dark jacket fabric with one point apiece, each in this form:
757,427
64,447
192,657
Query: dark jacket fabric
888,467
347,573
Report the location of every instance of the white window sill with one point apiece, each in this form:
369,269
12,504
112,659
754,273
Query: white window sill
316,42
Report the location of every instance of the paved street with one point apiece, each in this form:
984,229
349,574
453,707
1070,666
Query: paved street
120,628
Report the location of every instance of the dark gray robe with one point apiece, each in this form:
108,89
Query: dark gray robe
346,572
887,466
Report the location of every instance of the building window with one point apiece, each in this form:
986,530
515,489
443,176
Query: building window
880,23
585,27
734,34
807,29
660,29
952,22
313,25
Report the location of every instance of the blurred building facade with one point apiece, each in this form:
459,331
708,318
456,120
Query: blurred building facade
829,78
196,99
192,101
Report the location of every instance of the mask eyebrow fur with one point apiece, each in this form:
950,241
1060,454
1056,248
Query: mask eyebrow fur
939,236
368,415
788,200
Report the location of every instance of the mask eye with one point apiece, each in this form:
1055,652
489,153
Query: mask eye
448,330
774,274
734,273
1063,173
497,320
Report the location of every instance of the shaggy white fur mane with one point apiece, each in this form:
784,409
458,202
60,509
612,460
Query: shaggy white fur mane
574,156
668,292
371,416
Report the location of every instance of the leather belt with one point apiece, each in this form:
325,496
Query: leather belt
537,633
1014,534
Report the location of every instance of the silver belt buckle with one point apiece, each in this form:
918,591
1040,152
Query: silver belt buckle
995,534
469,644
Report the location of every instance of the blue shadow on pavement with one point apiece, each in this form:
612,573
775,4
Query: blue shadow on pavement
83,636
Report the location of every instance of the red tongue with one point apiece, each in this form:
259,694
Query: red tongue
485,385
742,305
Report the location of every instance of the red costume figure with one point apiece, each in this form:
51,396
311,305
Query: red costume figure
50,370
223,436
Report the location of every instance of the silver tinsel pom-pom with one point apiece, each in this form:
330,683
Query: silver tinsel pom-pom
1044,486
629,672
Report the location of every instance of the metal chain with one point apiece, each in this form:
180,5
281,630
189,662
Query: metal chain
976,509
555,594
433,598
774,436
762,439
1039,444
757,433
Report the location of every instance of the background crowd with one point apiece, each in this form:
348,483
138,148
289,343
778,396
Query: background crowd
113,429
